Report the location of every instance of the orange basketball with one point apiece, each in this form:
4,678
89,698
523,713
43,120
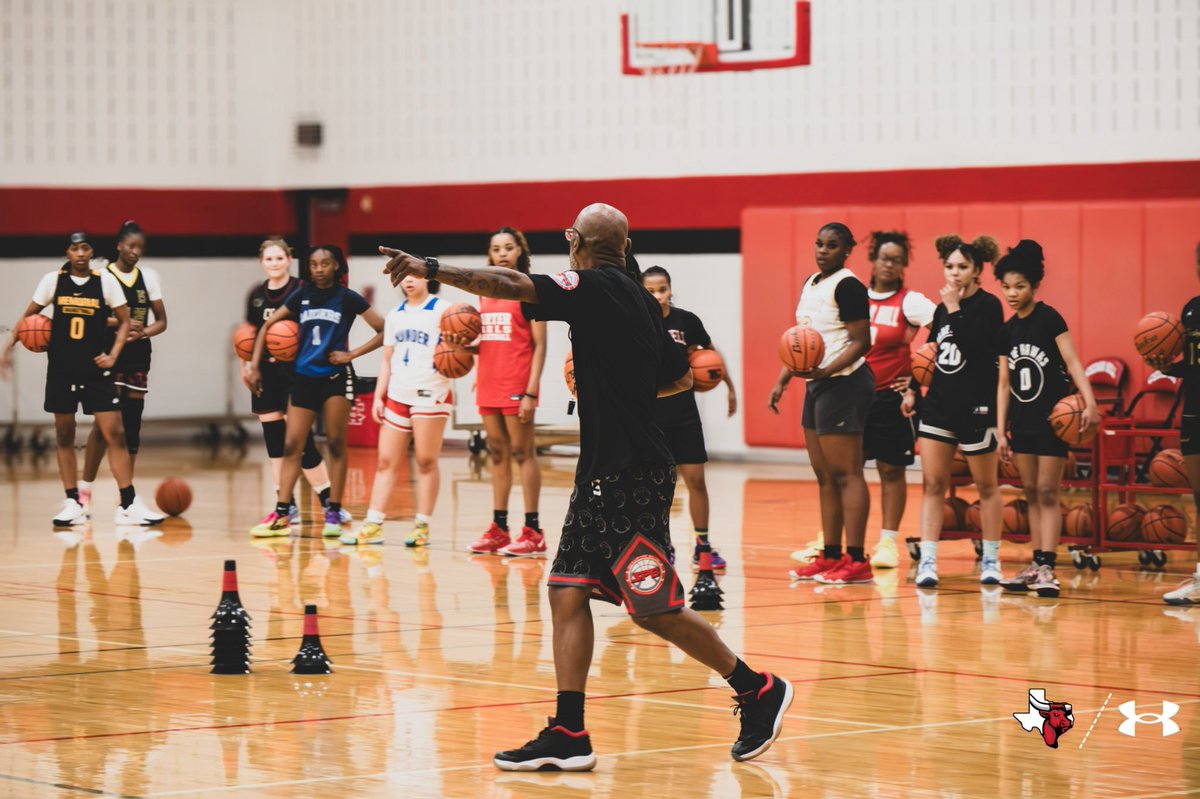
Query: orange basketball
462,319
1079,522
34,332
1008,470
1067,419
1165,524
1125,521
954,513
801,348
569,372
924,362
1158,334
707,369
243,340
1168,470
283,340
1016,517
973,518
451,360
173,496
958,466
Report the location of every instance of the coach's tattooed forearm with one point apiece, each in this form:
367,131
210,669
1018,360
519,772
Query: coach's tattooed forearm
488,281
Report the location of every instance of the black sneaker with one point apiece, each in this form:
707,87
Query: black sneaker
762,717
555,749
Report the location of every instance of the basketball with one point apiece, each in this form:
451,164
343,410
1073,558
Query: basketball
707,369
954,512
464,320
958,466
1078,522
1168,470
569,372
972,518
1165,524
801,348
173,496
1158,334
924,362
283,340
1008,470
1016,517
34,332
243,340
451,360
1125,521
1067,419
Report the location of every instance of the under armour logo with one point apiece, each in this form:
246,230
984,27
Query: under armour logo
1133,718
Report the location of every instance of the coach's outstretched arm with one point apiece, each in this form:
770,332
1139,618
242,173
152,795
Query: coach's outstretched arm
486,281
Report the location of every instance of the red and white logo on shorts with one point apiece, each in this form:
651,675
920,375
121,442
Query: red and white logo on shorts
645,574
567,281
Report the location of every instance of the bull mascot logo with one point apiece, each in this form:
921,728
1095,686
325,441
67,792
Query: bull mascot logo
1052,719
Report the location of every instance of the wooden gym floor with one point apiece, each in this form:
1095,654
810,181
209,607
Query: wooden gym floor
441,658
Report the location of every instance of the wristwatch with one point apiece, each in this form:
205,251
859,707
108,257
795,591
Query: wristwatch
431,264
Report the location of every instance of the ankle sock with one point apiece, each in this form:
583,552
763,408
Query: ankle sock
991,550
1038,557
887,534
532,522
73,493
500,519
127,496
929,549
375,516
857,554
335,507
323,494
832,552
744,679
282,508
569,713
1050,559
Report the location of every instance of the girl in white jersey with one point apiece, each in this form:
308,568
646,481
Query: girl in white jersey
839,395
412,402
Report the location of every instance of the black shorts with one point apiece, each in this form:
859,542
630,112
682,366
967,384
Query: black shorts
889,436
134,376
686,443
1038,443
1189,434
974,436
311,392
92,388
839,404
616,540
276,388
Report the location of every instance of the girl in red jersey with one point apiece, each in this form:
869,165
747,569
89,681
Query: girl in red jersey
512,353
890,438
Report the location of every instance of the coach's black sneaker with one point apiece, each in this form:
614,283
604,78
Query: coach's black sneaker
762,717
555,749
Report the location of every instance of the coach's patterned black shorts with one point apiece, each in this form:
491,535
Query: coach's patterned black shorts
616,540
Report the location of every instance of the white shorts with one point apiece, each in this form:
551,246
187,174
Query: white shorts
398,415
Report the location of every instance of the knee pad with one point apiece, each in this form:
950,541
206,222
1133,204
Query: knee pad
273,434
311,458
131,417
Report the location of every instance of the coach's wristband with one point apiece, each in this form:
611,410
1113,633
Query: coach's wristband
432,267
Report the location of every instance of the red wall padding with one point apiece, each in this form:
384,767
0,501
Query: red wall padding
1107,264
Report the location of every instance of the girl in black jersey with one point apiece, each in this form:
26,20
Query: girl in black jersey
678,415
270,405
1188,368
1038,364
959,408
147,318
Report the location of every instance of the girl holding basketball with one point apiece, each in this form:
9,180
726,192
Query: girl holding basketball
1188,368
324,380
959,407
1038,364
270,404
512,354
897,313
838,398
412,403
678,415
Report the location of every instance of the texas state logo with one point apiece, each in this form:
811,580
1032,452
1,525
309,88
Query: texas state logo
644,575
567,281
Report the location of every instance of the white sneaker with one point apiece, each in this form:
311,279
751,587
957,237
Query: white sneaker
1188,592
927,575
70,514
138,513
989,571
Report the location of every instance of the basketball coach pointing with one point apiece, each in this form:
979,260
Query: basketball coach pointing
615,542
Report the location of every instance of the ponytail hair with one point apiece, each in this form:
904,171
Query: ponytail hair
1026,259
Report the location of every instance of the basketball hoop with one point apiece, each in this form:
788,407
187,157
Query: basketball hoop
675,58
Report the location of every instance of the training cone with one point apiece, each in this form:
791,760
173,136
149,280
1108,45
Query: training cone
706,594
311,659
230,628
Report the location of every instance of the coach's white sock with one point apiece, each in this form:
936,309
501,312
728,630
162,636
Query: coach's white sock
887,534
929,550
991,549
375,516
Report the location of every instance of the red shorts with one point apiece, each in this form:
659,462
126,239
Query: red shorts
399,416
508,410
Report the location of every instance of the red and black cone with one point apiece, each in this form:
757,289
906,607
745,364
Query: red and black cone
311,659
230,628
706,594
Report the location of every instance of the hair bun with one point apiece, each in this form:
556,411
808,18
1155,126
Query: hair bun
947,244
1029,250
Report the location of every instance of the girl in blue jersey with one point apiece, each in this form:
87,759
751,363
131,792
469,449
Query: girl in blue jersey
324,380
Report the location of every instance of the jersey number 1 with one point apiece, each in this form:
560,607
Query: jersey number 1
316,341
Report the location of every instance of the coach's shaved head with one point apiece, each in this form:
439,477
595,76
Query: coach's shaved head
605,232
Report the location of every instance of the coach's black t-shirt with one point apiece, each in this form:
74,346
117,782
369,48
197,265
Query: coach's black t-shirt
622,355
686,330
964,382
1189,367
1037,374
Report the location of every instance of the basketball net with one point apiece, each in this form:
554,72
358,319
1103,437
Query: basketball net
661,61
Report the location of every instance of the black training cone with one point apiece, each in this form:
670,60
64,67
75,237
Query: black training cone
311,659
706,594
230,628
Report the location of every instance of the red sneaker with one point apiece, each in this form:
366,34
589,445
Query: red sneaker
495,539
819,565
531,544
847,572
